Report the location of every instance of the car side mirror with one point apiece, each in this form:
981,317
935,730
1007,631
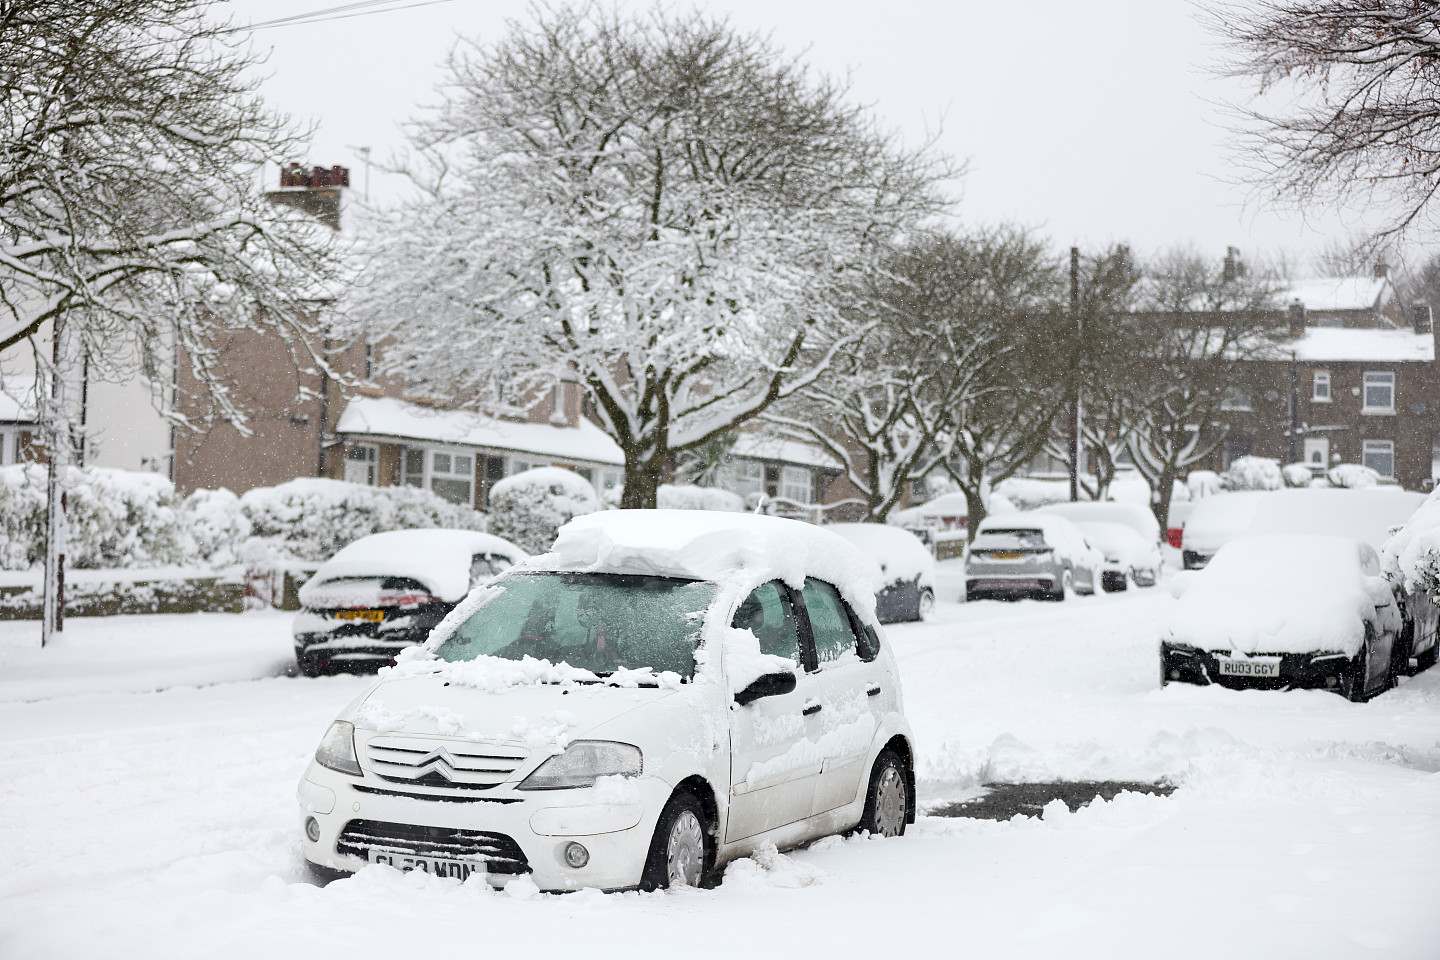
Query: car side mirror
769,685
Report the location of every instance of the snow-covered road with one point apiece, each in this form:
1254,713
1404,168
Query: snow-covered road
148,766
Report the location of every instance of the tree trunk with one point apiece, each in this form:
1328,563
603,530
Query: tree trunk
642,483
1160,501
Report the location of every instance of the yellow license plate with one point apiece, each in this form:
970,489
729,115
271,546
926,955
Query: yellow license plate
1006,556
374,616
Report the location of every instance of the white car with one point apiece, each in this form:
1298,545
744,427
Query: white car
1278,611
1215,521
661,693
1128,536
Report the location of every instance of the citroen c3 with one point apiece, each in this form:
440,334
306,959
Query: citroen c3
661,693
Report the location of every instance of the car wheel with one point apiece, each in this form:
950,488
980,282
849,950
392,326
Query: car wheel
680,852
1353,685
1427,659
308,668
887,804
927,604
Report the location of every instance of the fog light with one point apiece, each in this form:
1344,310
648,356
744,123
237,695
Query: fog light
312,830
576,855
1174,674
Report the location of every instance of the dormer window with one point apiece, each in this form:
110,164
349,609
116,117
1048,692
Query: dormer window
1320,390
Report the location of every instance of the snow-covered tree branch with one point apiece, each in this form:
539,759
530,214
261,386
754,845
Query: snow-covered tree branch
664,211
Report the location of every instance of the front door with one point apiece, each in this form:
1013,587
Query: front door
772,770
1317,452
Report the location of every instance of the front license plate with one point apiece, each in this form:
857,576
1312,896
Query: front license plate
1249,668
374,616
459,869
1006,556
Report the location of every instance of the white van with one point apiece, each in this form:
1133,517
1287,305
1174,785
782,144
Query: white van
663,692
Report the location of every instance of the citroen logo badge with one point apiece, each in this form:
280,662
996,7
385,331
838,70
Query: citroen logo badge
437,762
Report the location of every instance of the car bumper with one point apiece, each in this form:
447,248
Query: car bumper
1321,670
1008,586
540,823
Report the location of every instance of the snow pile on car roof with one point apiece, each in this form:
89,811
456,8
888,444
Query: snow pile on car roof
1061,535
1412,554
733,549
1277,594
1136,517
439,559
901,555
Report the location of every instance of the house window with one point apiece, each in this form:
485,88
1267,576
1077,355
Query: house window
1237,397
1233,448
1379,392
1320,391
362,464
9,446
1379,455
609,483
412,467
520,466
452,476
749,477
798,484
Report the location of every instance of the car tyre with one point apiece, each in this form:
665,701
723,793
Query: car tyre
1427,659
308,668
926,608
682,852
1353,685
887,802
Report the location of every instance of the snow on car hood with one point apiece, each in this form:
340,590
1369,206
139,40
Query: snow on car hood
1281,594
1220,518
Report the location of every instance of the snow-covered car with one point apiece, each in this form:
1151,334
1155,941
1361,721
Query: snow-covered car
387,591
906,566
1368,515
661,693
1278,611
1215,521
1126,534
1030,554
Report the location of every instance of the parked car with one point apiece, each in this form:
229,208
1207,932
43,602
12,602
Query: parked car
661,693
1216,520
1127,535
1279,611
1029,554
1368,515
387,591
908,569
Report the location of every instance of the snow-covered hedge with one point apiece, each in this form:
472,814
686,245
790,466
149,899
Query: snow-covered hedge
1297,475
1202,483
1253,473
528,508
1412,554
686,497
1352,476
311,518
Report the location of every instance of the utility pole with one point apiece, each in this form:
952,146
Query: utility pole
1075,399
58,444
1292,449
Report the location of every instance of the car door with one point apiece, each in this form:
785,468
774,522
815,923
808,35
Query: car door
842,719
773,771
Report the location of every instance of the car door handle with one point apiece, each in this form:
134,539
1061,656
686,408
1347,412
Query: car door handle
873,692
811,710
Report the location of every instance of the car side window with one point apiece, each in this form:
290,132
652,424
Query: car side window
829,621
484,566
769,614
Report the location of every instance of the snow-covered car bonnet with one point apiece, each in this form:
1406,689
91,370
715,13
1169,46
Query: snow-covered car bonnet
439,559
736,550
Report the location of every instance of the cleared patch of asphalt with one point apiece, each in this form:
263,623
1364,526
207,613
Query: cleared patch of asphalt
1002,801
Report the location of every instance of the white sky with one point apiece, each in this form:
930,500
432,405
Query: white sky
1094,121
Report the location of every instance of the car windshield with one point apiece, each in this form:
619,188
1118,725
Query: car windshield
1010,540
600,622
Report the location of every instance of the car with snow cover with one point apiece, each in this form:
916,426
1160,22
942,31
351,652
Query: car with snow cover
386,592
1029,554
907,569
1281,611
1127,535
661,693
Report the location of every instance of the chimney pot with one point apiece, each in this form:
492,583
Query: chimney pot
1381,267
1297,319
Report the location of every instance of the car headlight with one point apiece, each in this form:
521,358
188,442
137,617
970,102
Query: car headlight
337,749
582,763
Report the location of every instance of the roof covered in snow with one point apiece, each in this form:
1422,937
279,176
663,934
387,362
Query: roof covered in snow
1338,344
388,417
1340,293
764,446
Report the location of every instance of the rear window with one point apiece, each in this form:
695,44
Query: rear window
1010,540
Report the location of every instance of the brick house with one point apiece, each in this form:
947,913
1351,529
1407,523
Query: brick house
1353,382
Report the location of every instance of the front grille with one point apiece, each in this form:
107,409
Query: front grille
500,853
460,764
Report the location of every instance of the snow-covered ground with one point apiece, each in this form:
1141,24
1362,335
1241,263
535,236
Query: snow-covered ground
148,767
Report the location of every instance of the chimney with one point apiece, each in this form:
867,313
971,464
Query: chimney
1381,268
315,191
1232,268
1297,319
1424,316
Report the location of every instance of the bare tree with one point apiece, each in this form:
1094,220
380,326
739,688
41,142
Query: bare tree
668,212
1196,324
1356,88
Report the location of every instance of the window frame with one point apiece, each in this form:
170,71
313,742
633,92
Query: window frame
1375,446
371,461
1387,379
1239,398
1318,378
787,474
428,473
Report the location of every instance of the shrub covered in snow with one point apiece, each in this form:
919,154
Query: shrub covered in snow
685,497
1412,554
216,523
312,518
1296,475
1352,476
528,508
1253,473
1202,483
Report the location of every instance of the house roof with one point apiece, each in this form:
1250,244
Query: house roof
1337,344
764,446
1340,293
388,417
